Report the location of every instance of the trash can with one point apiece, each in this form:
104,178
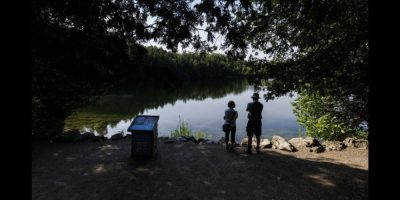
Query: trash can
144,136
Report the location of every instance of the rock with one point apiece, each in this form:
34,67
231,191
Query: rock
280,143
303,143
191,138
361,144
333,145
311,142
205,141
356,143
187,139
200,140
243,142
264,143
69,136
61,138
236,145
298,143
72,132
75,136
181,139
318,149
348,142
210,142
222,140
87,136
128,136
99,138
169,141
117,136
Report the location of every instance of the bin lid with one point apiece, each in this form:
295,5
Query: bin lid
144,123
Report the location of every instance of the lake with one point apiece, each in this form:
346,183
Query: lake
201,104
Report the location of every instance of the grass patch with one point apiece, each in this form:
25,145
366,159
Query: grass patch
184,129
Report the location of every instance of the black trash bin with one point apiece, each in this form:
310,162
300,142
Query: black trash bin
144,136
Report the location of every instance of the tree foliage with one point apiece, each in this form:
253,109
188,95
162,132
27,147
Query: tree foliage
80,46
321,45
330,117
316,46
159,64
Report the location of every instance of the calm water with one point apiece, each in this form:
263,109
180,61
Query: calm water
201,104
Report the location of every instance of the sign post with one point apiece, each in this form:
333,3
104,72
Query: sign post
144,136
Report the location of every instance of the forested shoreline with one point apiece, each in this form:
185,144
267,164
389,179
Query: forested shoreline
318,49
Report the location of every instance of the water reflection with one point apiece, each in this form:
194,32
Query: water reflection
201,104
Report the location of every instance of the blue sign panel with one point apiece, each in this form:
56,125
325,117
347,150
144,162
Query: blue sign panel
144,123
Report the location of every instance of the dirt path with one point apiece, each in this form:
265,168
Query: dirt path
103,170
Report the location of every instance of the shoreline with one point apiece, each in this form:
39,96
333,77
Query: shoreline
185,170
278,142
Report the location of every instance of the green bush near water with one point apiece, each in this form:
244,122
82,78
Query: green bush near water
183,129
331,118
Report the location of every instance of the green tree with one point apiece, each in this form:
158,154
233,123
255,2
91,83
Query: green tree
80,48
320,46
329,117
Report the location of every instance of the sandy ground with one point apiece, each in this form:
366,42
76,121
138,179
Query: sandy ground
104,170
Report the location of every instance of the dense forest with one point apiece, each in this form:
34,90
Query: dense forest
160,69
318,49
167,69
